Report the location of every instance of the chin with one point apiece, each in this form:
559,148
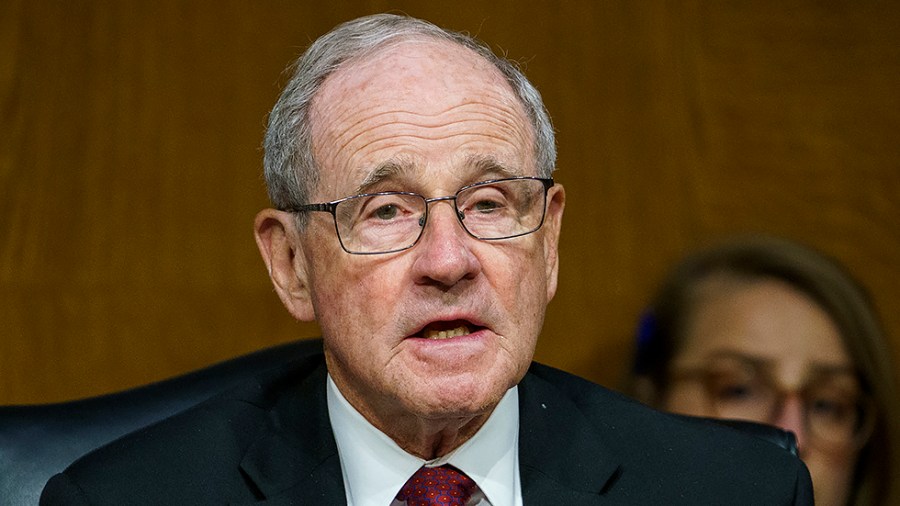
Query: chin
462,411
458,399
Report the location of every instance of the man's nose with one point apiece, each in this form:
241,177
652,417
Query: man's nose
791,416
444,254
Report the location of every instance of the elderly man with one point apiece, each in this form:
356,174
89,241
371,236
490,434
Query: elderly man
417,221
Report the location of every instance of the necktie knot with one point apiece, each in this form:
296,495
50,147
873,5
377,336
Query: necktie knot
437,486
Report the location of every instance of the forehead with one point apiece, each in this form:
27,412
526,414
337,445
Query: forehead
768,319
419,69
417,103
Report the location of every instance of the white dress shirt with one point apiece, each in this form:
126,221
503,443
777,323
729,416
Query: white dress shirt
374,467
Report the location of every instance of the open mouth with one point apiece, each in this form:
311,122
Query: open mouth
447,330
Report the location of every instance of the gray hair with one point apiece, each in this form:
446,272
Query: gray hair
291,171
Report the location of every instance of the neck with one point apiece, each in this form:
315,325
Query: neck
431,439
425,435
428,432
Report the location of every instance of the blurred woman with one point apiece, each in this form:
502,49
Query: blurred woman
767,330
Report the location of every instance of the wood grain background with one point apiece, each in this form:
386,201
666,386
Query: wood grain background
130,164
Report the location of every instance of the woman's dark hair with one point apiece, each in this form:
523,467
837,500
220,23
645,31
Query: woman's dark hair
748,260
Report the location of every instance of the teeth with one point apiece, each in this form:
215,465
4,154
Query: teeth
446,334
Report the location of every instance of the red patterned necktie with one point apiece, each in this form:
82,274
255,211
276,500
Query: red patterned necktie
437,486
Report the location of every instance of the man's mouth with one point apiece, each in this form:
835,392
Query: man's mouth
445,334
447,330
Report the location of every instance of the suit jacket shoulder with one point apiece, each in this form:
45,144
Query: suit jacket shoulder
261,442
600,447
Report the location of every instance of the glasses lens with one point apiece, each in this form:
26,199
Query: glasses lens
838,412
379,223
502,209
393,221
736,391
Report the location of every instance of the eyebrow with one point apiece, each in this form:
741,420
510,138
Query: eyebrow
480,166
485,165
391,169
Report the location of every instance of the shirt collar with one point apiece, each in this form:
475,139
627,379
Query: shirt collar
374,467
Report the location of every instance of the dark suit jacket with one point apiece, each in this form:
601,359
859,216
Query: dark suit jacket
271,442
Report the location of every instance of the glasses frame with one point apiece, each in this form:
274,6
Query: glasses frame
705,376
331,207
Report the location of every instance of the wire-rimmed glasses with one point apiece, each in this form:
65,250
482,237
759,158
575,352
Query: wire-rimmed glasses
388,222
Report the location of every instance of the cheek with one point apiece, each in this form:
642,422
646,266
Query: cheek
831,474
346,293
686,399
356,316
519,286
520,274
830,466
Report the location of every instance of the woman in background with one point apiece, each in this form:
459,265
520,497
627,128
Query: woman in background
767,330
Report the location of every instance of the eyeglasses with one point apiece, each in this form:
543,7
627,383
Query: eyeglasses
837,412
387,222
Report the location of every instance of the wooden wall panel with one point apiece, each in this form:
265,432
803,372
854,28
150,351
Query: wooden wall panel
130,164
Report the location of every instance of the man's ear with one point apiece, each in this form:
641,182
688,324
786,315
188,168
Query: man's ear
279,243
556,203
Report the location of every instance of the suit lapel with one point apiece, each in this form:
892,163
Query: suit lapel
562,459
296,461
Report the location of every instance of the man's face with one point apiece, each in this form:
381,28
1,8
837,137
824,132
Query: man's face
426,117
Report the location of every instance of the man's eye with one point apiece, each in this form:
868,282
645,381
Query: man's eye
487,206
386,212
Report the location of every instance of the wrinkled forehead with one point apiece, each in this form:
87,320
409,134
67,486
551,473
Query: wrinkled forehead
404,64
435,86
